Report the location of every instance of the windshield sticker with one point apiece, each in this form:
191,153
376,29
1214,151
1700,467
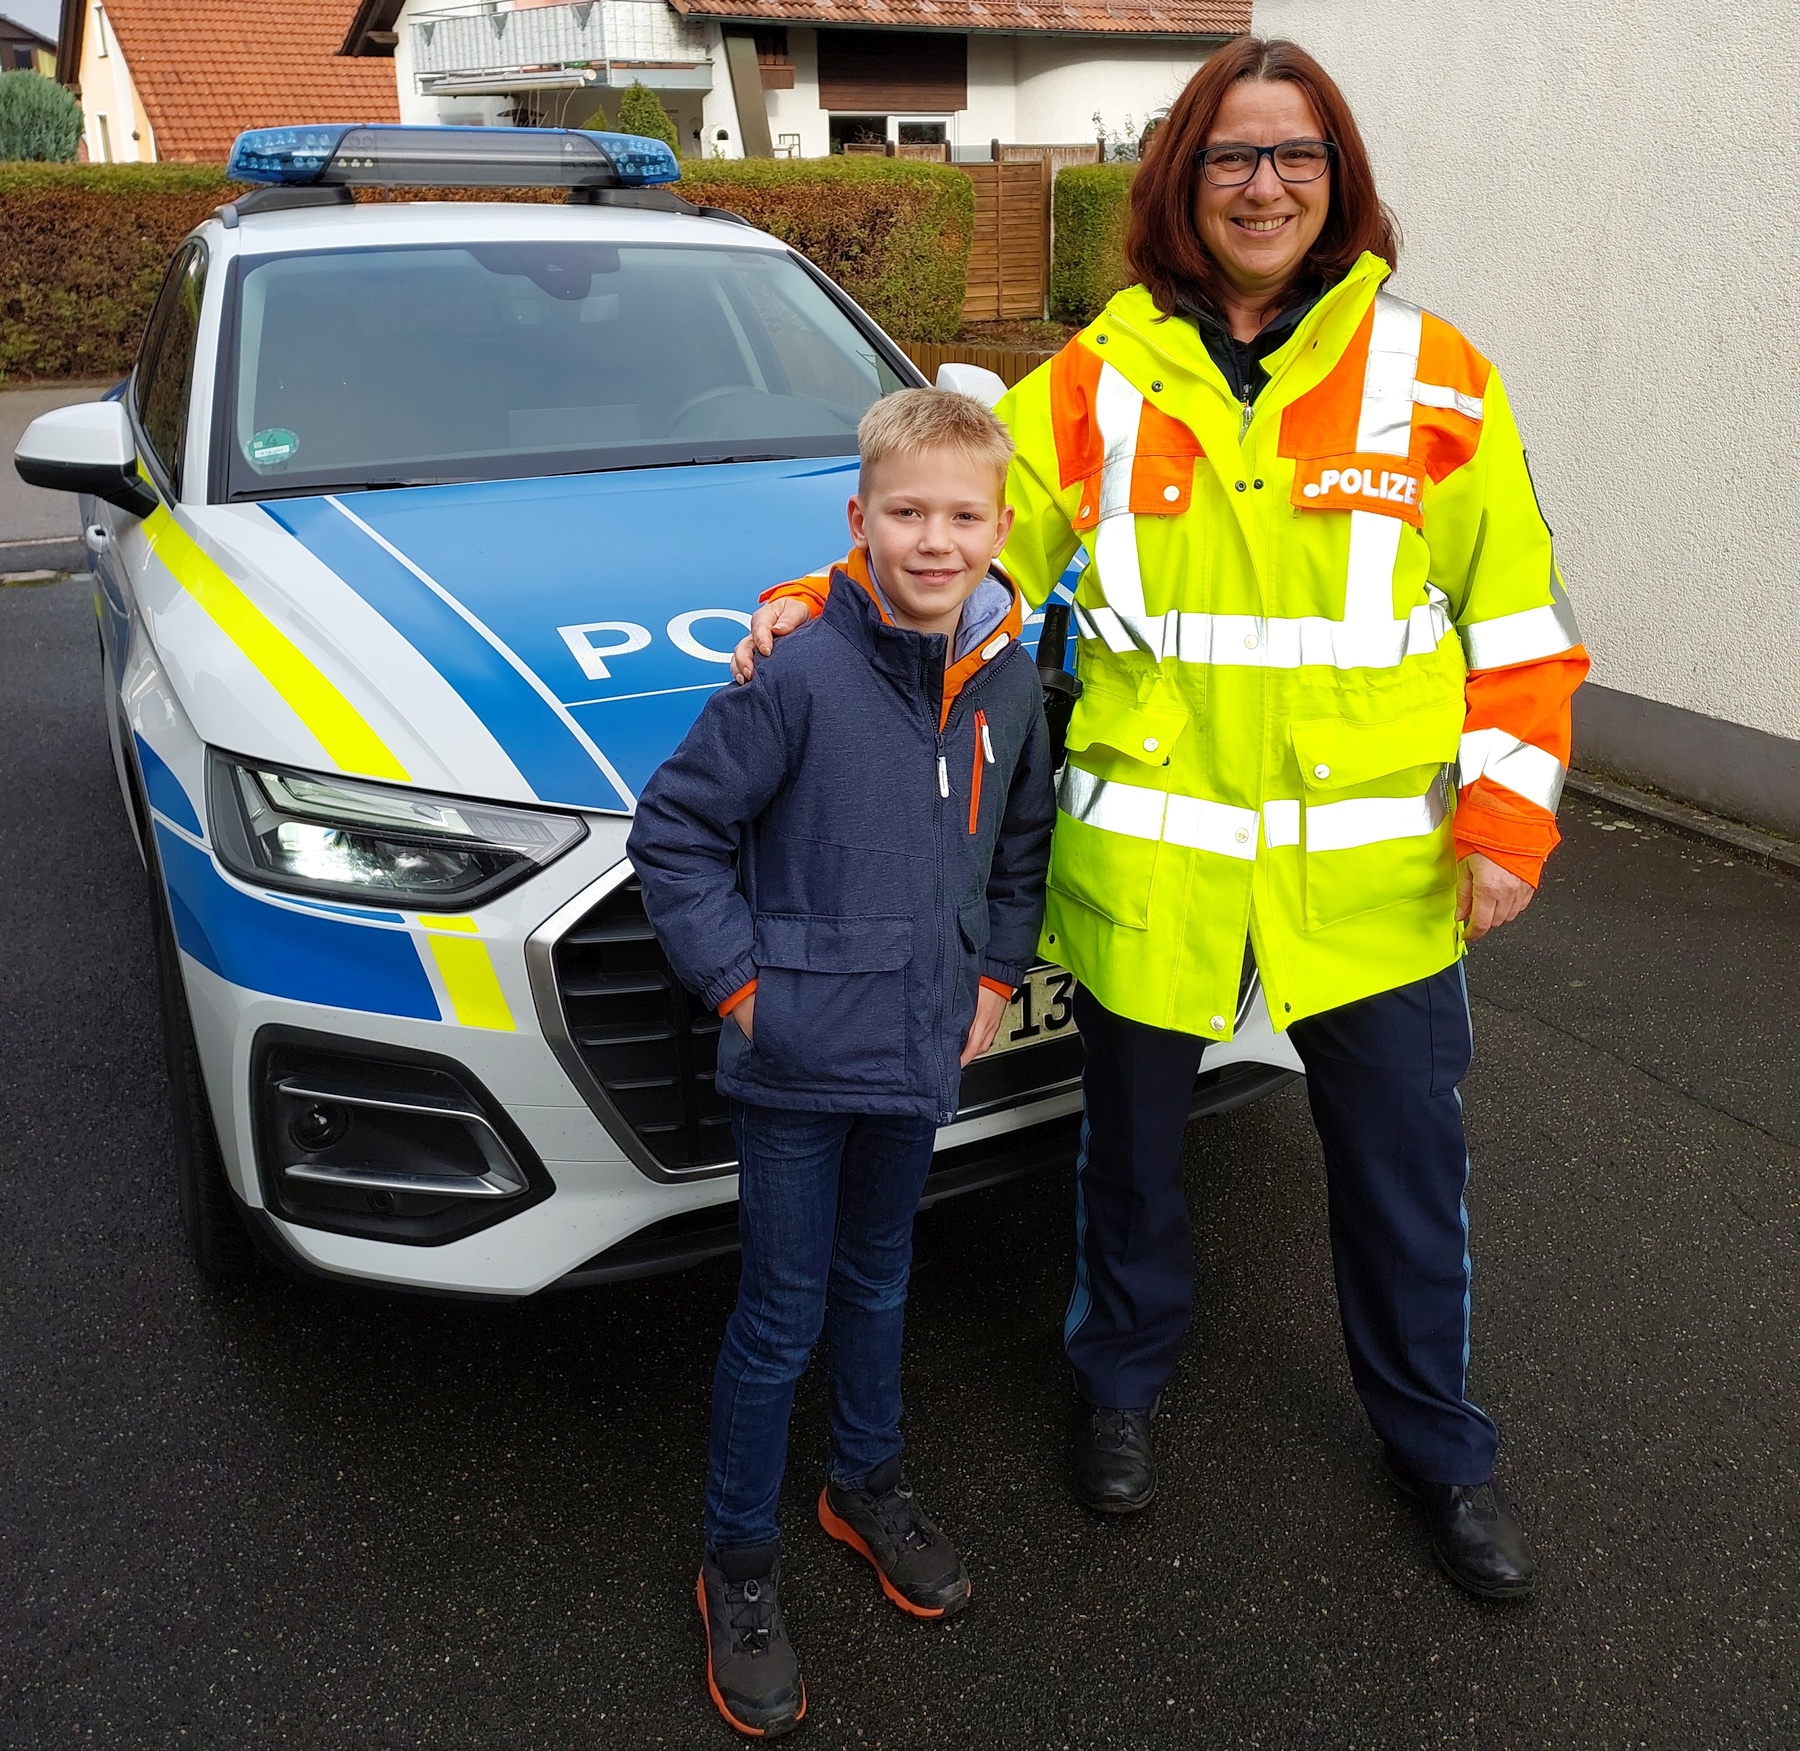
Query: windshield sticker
268,449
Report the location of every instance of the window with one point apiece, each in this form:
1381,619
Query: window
912,72
773,61
165,368
497,361
21,57
101,47
106,156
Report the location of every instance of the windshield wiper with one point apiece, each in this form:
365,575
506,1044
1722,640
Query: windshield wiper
297,491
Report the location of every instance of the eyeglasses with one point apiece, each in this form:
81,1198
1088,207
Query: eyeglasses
1235,163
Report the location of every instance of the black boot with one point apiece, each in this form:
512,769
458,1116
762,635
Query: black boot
751,1670
883,1522
1115,1471
1475,1534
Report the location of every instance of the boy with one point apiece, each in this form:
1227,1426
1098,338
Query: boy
846,858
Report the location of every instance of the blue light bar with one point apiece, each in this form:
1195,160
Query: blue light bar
349,154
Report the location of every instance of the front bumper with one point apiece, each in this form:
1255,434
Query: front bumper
602,1206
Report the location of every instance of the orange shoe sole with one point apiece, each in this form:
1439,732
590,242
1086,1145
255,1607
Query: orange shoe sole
731,1720
840,1529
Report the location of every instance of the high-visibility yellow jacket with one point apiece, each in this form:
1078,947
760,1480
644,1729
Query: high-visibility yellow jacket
1298,620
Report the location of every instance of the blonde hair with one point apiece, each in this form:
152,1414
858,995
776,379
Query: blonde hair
911,420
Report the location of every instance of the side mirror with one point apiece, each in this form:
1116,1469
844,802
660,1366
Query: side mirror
974,380
86,448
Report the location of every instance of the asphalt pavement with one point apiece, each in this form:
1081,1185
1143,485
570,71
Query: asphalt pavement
287,1515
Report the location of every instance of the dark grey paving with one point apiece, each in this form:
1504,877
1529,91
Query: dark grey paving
291,1517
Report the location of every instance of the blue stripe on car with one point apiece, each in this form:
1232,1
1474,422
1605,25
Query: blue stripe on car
285,952
682,554
536,740
168,796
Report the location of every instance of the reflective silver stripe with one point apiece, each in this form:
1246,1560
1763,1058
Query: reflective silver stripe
1526,637
1208,826
1436,395
1250,641
1368,820
1117,408
1203,825
1384,426
1113,807
1281,822
1140,813
1523,768
1369,575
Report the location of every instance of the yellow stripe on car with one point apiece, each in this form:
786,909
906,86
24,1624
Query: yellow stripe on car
467,969
342,731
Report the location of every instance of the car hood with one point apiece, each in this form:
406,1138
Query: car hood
546,640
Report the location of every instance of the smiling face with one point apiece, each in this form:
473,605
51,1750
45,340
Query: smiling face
932,521
1260,233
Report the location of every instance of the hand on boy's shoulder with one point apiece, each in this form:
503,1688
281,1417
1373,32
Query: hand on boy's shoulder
771,621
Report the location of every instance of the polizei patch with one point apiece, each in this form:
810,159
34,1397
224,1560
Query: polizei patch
1389,485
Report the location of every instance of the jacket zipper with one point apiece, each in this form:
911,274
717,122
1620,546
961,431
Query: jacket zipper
1249,412
984,751
975,681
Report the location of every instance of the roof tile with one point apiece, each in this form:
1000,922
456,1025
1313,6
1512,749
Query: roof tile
208,69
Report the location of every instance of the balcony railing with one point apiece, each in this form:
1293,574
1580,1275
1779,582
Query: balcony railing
593,42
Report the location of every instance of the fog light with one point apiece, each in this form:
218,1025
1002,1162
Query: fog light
384,1142
318,1127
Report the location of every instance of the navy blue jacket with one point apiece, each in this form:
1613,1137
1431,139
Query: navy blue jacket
816,831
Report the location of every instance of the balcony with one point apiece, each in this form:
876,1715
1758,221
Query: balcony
490,49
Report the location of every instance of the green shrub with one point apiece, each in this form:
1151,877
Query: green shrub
1087,259
39,120
83,247
892,232
641,112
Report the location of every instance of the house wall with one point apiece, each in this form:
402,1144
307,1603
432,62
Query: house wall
107,89
1533,151
1063,82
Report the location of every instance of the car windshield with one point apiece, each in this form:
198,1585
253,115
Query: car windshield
481,361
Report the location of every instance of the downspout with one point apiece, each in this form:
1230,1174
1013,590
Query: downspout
747,93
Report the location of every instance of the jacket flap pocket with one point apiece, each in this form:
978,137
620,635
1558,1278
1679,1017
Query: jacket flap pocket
1335,754
972,917
1146,732
809,943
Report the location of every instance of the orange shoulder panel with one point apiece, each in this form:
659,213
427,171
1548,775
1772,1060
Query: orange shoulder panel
1443,439
1324,421
1074,384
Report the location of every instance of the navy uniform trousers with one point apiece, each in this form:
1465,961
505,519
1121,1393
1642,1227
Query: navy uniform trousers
1382,1077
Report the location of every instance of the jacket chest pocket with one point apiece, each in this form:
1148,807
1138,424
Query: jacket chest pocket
1374,828
831,996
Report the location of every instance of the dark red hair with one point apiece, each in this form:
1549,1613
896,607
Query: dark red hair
1162,243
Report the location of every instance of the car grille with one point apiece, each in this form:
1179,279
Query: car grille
653,1047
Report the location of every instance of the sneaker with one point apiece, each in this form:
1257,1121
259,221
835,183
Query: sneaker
751,1669
883,1523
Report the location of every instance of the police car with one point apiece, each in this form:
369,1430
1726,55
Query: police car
422,530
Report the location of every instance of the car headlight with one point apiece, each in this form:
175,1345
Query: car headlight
375,843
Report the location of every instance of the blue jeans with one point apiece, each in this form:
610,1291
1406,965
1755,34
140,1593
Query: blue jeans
825,1212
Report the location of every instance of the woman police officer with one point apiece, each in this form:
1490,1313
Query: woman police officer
1327,663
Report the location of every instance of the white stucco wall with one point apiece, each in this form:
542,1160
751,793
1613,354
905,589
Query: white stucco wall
1603,198
107,89
1064,81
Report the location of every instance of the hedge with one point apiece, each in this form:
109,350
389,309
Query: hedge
894,233
1087,259
83,247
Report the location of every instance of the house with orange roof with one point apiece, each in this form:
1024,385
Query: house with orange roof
802,78
181,79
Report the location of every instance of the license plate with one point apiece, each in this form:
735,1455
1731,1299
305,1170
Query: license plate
1043,1008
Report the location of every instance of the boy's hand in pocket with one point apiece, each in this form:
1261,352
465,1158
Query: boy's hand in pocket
990,1011
744,1014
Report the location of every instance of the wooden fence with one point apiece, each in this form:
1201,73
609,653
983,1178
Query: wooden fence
1009,363
1009,256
